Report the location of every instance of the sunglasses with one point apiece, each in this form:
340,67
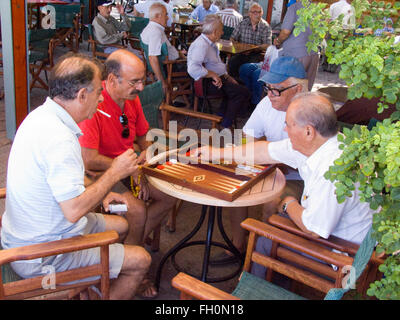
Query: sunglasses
277,92
124,121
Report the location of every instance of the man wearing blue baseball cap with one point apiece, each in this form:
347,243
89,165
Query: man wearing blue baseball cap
285,79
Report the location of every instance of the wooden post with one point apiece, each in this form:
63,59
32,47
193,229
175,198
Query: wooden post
20,61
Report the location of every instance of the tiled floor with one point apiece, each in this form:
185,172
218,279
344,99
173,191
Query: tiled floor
188,215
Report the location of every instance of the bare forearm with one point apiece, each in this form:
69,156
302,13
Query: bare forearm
76,208
156,67
95,161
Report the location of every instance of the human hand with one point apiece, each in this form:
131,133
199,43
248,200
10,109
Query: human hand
125,34
206,153
114,197
283,201
120,8
125,164
216,80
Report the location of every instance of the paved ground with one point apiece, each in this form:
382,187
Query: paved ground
187,216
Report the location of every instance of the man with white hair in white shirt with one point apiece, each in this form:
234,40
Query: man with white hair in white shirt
312,147
153,35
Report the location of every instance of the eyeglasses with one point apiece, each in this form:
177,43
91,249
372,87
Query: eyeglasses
124,121
134,83
277,92
255,12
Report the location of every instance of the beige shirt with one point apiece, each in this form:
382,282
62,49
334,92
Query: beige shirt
109,31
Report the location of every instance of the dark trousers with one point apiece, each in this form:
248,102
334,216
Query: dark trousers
236,98
237,60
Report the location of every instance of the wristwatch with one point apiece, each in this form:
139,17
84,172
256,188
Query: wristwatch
286,204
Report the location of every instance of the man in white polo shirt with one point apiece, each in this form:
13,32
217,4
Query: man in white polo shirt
312,148
154,36
46,196
284,80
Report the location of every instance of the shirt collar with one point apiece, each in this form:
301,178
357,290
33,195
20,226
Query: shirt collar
64,116
105,20
313,160
208,40
157,25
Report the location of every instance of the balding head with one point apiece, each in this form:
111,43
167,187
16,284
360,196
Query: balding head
72,73
120,60
126,75
315,109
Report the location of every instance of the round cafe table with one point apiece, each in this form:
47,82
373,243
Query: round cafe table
264,191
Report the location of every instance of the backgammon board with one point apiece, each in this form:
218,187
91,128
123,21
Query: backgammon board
222,181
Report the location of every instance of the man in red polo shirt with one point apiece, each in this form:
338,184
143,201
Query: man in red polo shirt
107,136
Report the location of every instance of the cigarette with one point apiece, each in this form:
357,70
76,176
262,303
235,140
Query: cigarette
106,114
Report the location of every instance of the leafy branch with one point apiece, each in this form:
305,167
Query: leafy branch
370,66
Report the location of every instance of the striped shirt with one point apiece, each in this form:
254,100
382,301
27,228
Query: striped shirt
45,167
230,17
244,32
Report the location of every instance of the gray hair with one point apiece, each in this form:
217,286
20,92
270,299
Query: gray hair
230,3
316,109
252,4
155,9
73,72
302,82
210,23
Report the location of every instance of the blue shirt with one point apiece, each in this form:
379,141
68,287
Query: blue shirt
200,13
203,55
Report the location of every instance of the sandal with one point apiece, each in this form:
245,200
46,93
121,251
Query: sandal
147,290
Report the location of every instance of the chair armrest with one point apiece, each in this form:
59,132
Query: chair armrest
58,247
198,289
296,242
191,113
332,242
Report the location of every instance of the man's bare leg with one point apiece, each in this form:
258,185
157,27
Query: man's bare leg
157,210
134,268
136,217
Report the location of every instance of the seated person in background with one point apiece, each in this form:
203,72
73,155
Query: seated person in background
229,15
105,138
203,61
154,36
312,148
285,79
106,29
252,30
46,196
142,9
203,10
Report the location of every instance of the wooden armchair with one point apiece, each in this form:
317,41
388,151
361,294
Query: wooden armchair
97,48
251,287
13,287
68,23
41,50
371,272
179,82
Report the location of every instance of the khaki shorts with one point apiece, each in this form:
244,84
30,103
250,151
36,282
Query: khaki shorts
96,223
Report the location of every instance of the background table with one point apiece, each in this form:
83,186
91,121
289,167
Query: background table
264,191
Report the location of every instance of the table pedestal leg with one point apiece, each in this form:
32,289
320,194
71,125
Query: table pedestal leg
207,247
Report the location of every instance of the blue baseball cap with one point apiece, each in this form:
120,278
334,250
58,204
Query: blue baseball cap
283,68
